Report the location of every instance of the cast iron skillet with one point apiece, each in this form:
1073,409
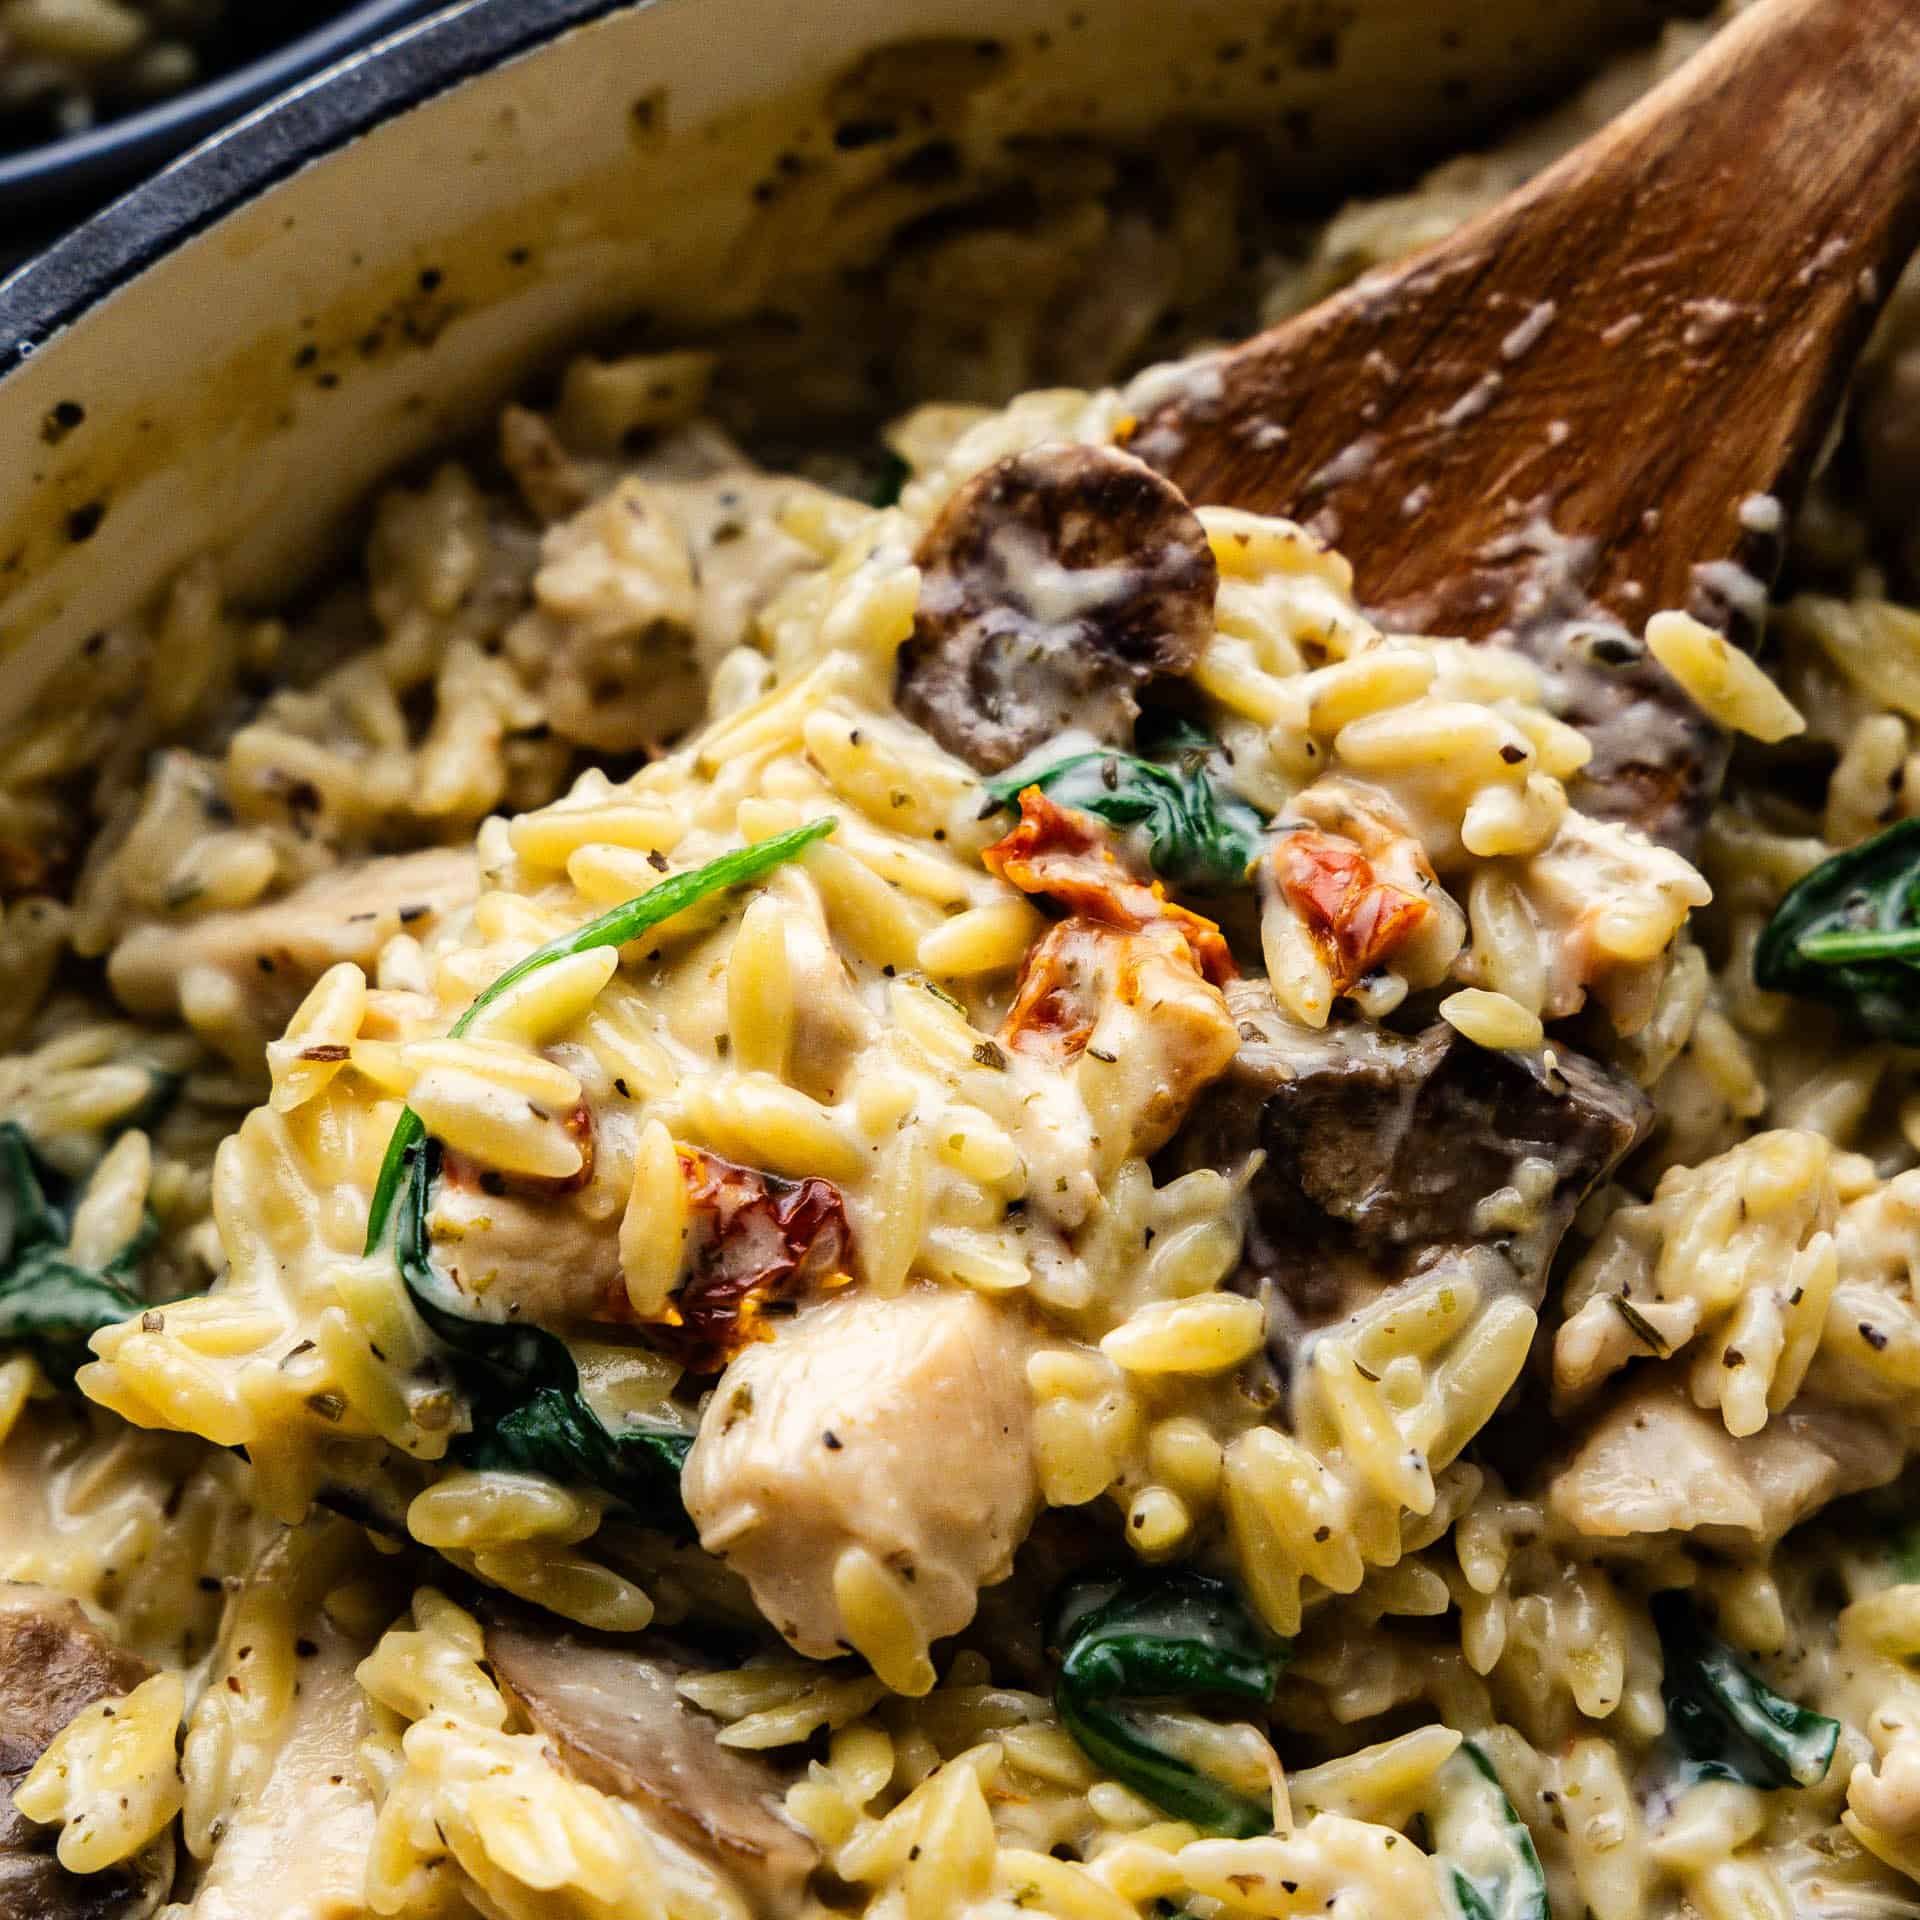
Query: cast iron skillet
44,180
368,85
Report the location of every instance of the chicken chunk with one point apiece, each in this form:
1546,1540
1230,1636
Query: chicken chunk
52,1664
1143,1030
642,589
1655,1463
296,1848
552,1257
1125,994
869,1470
236,978
613,1711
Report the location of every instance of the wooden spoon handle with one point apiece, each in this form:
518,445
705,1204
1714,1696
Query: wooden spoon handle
1575,410
1645,336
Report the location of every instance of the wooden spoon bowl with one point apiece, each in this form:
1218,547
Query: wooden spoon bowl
1603,397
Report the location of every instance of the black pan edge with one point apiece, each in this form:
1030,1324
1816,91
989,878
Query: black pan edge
41,180
316,118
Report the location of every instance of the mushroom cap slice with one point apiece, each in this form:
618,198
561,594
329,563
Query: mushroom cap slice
613,1710
54,1663
1054,586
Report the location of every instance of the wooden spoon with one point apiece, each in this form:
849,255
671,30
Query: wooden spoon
1602,397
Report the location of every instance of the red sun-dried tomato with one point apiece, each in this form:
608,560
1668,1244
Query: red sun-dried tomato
1356,919
1068,855
753,1240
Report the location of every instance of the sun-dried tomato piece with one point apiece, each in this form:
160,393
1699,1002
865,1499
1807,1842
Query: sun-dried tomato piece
753,1239
1136,1003
1068,855
1356,919
1055,1008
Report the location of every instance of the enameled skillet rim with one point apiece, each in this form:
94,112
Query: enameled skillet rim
322,115
121,148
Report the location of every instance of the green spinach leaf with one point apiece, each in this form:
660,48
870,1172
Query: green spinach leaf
521,1382
1903,1551
614,928
523,1387
1201,836
893,475
1172,1636
1848,933
1492,1864
48,1303
1727,1722
553,1431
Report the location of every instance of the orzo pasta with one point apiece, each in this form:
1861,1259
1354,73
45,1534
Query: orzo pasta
723,1200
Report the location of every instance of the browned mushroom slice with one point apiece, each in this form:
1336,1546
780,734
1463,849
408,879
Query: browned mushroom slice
613,1711
1054,586
1387,1154
52,1664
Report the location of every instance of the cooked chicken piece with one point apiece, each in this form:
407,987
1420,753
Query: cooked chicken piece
550,1254
521,1248
1144,1030
1653,1462
296,1848
655,574
877,1453
236,978
1054,586
52,1664
1385,1154
611,637
1126,993
613,1712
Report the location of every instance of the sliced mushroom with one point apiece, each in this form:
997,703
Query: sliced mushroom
1054,586
53,1663
1386,1154
613,1710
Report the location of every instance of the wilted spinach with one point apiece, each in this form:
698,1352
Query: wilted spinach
893,474
1903,1551
521,1382
1727,1722
523,1387
1848,933
1201,835
1492,1863
48,1303
1174,1636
